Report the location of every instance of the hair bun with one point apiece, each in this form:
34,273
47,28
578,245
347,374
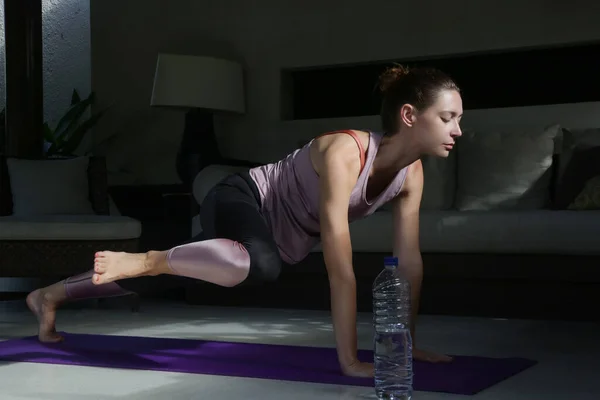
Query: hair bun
391,75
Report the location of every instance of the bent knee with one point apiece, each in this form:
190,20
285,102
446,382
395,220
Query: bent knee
265,261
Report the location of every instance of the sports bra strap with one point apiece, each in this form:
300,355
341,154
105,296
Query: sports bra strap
356,139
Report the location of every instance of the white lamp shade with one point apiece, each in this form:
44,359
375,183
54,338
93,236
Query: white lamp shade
198,82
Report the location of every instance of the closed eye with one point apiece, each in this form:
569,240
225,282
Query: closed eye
453,114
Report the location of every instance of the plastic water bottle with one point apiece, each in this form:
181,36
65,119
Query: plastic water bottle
392,342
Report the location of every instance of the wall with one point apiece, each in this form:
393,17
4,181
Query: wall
67,66
66,52
282,35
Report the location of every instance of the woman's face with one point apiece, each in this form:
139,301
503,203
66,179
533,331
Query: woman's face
436,128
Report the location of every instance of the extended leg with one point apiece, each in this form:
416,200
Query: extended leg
45,301
223,262
238,245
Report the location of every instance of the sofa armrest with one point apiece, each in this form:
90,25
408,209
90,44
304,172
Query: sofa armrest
210,176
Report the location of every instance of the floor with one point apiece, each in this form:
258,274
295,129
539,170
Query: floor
568,354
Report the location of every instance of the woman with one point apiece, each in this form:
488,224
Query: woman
253,222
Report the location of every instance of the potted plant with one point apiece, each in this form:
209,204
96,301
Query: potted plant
65,138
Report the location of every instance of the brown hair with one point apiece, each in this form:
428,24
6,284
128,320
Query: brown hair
417,86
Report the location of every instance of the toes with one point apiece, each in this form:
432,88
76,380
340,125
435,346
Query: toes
103,255
99,279
100,262
99,267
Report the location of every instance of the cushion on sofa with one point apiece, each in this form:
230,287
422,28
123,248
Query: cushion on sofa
589,197
579,161
503,231
439,182
69,227
505,168
50,187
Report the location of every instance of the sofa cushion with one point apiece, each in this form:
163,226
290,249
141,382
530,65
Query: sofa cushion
505,168
69,227
50,187
579,161
536,231
589,198
439,182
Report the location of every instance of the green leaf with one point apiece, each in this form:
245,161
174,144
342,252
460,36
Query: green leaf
53,149
48,135
74,140
72,116
75,97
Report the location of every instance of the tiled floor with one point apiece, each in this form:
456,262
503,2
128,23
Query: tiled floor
569,355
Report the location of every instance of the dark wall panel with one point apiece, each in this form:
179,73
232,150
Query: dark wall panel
500,79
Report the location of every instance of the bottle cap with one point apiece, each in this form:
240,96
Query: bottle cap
390,261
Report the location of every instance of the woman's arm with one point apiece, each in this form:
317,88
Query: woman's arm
338,165
406,246
406,235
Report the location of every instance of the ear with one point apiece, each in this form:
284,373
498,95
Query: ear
408,114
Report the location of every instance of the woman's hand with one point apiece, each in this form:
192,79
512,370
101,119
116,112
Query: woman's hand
367,370
359,370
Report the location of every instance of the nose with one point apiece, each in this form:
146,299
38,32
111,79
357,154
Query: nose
456,132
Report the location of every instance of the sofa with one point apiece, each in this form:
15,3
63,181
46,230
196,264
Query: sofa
500,191
55,214
512,205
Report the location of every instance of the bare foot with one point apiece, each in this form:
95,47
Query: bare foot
43,304
111,266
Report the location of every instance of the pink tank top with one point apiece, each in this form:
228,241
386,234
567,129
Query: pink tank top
289,190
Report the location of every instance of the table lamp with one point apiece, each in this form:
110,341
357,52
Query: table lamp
203,86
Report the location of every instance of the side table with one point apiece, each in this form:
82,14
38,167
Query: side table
178,211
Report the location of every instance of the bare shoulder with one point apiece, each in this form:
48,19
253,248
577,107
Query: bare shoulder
414,179
408,202
337,149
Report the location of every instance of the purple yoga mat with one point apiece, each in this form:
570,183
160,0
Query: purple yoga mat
465,375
